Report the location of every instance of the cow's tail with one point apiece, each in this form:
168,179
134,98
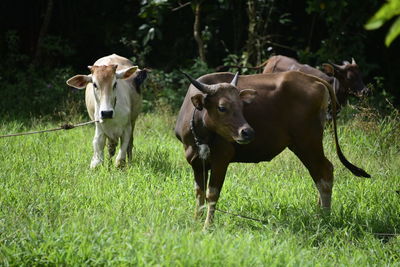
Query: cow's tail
354,169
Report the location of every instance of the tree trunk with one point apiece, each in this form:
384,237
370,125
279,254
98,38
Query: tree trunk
197,31
251,46
43,31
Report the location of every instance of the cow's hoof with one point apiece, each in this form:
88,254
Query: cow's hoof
120,164
208,226
324,212
199,212
95,163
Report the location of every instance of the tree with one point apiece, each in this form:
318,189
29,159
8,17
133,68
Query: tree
43,31
197,30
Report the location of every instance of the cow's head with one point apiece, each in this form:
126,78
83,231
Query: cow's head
104,81
349,75
223,105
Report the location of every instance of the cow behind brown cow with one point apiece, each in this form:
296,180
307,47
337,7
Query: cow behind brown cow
349,78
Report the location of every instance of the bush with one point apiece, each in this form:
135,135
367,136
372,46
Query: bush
169,88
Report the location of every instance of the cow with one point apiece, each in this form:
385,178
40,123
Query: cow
228,118
114,100
349,78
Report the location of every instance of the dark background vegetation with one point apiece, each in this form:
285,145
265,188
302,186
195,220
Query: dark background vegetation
44,42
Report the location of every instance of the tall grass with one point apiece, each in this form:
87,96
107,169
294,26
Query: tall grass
54,210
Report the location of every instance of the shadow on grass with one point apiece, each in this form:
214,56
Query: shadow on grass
156,161
318,224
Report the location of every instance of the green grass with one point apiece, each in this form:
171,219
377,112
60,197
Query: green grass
54,210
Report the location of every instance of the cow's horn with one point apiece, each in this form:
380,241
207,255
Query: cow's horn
353,61
235,79
199,85
337,66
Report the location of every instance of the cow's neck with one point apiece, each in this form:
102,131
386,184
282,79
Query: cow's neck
200,134
343,88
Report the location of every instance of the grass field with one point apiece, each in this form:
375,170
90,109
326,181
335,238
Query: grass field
54,210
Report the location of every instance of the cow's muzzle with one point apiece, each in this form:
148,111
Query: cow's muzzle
106,114
246,135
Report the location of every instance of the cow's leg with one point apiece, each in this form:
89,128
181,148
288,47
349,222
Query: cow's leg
111,146
321,170
99,141
200,177
310,151
217,178
220,159
130,146
125,138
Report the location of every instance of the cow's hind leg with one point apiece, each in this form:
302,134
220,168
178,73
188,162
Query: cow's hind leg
130,148
125,139
130,144
310,151
111,147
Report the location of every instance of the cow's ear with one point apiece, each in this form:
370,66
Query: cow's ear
247,95
198,101
126,73
79,81
141,75
328,69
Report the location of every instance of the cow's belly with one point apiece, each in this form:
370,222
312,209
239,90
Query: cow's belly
256,153
268,144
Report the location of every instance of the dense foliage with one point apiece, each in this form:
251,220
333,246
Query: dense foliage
47,41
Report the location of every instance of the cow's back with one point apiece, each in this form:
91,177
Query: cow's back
283,63
122,62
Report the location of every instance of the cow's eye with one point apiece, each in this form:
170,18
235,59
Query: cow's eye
115,85
221,109
95,85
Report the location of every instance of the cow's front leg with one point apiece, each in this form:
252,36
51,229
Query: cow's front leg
213,191
219,165
125,139
200,177
99,141
200,171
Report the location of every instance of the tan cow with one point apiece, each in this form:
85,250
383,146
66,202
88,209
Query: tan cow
113,99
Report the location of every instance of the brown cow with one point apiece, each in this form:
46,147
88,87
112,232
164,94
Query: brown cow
217,126
349,78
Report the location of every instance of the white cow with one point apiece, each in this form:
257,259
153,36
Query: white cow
113,99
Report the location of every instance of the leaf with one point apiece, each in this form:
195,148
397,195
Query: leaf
385,13
374,24
394,31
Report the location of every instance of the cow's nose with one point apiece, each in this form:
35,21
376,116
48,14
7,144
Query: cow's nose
106,114
247,134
